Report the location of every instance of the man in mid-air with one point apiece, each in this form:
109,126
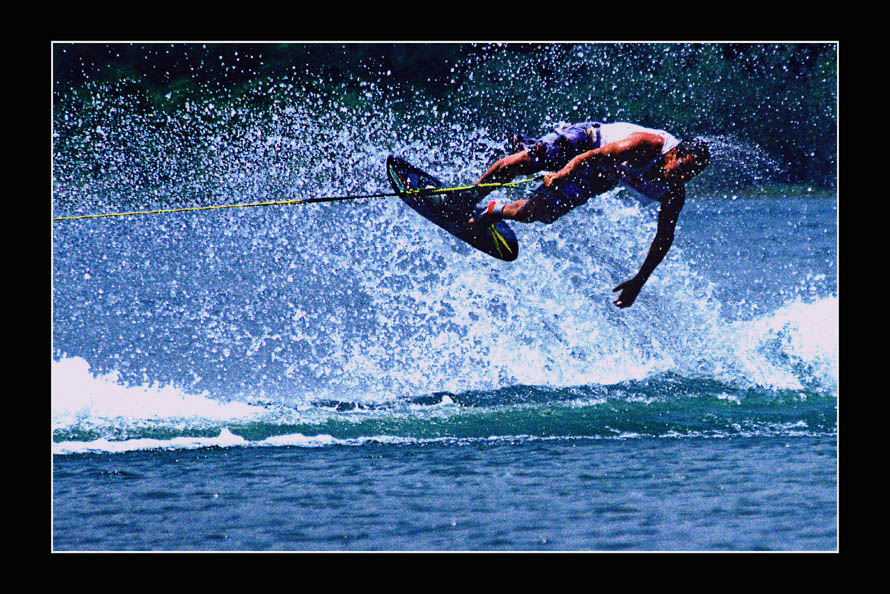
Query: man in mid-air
590,158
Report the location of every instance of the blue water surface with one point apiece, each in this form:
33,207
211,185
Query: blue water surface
549,495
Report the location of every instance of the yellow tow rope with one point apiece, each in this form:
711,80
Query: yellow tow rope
296,201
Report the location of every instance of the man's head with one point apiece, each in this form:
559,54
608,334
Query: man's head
690,158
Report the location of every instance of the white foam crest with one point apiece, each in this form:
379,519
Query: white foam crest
78,394
224,440
794,346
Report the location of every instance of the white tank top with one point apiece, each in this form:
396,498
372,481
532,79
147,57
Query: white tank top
621,130
645,191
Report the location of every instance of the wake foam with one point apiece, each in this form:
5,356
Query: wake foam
78,396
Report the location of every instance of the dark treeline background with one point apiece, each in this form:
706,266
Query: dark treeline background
779,97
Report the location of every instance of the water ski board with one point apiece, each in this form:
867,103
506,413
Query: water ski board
496,240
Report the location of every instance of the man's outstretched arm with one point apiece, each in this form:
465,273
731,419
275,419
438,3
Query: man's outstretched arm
668,215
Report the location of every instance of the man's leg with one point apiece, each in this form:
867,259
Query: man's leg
524,211
504,170
515,212
547,205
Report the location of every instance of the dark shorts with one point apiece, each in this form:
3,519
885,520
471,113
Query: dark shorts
547,204
551,152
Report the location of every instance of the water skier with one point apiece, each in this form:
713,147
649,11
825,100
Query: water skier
589,158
